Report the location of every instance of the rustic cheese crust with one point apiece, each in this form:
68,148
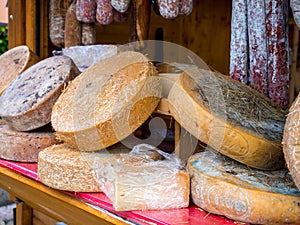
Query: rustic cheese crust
107,102
24,146
248,130
222,186
13,62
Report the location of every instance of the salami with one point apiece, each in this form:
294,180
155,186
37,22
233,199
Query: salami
86,11
258,76
57,12
278,56
141,13
72,27
104,13
120,17
185,7
88,36
120,5
239,64
168,9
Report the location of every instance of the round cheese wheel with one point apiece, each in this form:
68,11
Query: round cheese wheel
24,146
223,186
13,62
27,102
64,168
291,141
107,102
230,117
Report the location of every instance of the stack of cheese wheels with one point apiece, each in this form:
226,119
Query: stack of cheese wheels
107,102
24,146
291,141
13,62
26,104
64,168
230,117
223,186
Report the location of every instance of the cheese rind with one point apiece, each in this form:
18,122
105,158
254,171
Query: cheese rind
27,102
291,142
222,186
24,146
230,117
107,102
14,62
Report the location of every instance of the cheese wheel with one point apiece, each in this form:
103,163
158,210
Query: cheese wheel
141,180
291,143
27,102
24,146
230,117
64,168
222,186
13,62
107,102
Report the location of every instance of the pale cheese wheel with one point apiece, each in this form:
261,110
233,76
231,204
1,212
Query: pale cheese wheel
24,146
27,102
107,102
291,141
223,186
230,117
13,62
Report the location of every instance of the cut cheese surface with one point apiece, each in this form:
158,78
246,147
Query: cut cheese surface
13,62
223,186
64,168
229,116
141,180
107,102
27,102
291,141
24,146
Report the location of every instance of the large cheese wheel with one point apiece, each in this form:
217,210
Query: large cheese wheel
230,117
223,186
27,102
107,102
13,62
141,180
24,146
291,141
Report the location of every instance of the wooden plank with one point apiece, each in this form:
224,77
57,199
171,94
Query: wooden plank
23,214
16,23
44,40
53,203
31,21
40,218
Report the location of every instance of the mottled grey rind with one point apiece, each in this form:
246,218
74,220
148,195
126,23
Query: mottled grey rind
27,102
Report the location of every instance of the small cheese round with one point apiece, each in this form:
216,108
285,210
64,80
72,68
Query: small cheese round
27,102
107,102
230,117
223,186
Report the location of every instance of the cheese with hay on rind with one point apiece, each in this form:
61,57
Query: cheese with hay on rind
107,102
223,186
229,116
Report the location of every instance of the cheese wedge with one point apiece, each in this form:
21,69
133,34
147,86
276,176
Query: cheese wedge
223,186
26,104
291,141
142,180
230,117
13,62
24,146
107,102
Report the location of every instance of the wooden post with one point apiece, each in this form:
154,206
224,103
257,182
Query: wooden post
23,214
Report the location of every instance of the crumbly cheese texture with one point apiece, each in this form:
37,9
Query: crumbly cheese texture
225,187
107,102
